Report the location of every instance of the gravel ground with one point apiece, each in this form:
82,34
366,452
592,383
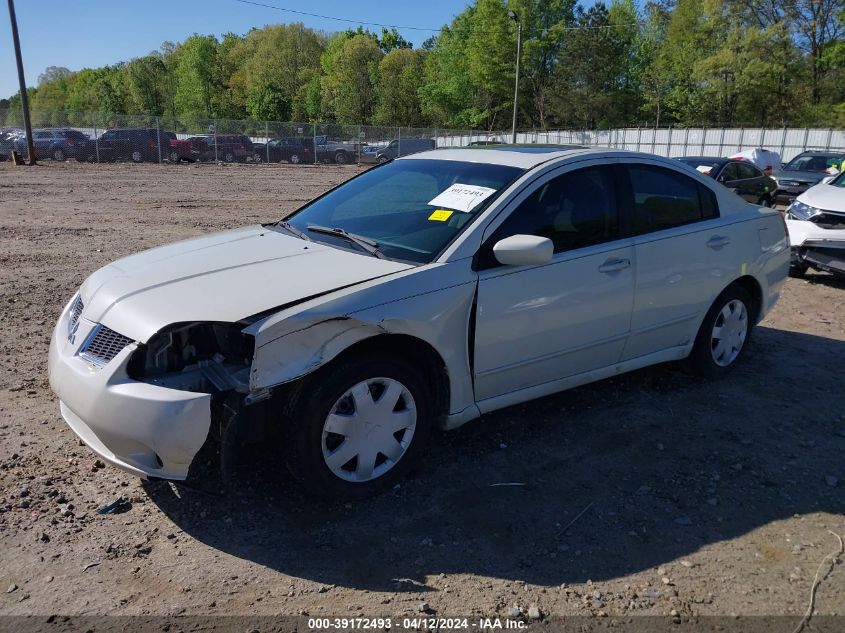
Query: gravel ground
653,493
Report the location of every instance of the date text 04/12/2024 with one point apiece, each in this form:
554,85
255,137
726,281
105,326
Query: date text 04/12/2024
421,623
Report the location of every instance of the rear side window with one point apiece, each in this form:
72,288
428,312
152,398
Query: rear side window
664,198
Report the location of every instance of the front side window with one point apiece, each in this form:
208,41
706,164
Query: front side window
411,209
664,198
574,210
730,172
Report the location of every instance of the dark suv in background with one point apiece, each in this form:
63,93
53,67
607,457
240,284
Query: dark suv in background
136,144
230,148
58,143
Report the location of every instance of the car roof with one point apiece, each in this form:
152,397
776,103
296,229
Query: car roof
708,159
811,152
523,156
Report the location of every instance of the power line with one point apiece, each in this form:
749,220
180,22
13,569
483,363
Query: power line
329,17
415,28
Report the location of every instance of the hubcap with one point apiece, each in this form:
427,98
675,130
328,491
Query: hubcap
294,158
729,332
136,156
369,429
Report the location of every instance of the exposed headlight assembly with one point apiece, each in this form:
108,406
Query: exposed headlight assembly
202,357
801,211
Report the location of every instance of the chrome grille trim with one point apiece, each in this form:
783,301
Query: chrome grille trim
75,312
103,345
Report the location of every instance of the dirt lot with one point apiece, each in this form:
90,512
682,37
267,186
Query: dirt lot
697,497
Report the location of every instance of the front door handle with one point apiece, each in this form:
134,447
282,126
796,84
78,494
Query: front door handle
613,264
718,241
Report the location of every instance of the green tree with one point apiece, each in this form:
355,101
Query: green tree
350,65
147,85
400,76
194,74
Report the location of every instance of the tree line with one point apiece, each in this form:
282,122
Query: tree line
669,62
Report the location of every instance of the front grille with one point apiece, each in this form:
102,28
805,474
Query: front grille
104,345
829,220
75,313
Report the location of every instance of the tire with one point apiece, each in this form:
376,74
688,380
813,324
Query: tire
766,201
59,155
294,159
228,157
137,156
323,407
341,158
256,157
732,311
382,160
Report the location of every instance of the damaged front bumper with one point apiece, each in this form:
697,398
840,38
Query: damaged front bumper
816,246
144,429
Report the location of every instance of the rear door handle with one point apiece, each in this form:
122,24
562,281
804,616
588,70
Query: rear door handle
718,241
614,264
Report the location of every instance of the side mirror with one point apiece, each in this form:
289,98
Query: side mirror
523,250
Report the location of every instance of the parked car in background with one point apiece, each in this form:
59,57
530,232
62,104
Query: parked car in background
805,170
136,144
816,223
766,160
405,147
434,289
369,153
739,176
11,139
295,150
229,148
56,143
484,143
333,151
180,149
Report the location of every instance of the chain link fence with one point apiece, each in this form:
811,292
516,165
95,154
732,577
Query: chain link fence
101,137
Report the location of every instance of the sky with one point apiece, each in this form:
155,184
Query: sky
92,33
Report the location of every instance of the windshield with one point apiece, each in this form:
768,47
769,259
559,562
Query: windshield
812,162
839,181
411,209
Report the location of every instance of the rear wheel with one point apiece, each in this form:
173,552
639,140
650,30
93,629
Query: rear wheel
229,157
137,157
341,158
256,157
724,334
765,201
359,427
294,159
59,154
174,157
798,270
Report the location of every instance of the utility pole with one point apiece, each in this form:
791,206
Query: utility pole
515,17
24,97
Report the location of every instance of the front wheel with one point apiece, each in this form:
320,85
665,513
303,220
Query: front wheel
229,157
358,427
294,159
723,335
256,157
765,201
59,154
137,157
341,158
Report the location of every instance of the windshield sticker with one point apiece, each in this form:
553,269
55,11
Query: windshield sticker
704,169
462,197
441,215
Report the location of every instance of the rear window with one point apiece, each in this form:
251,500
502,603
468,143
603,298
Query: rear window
664,198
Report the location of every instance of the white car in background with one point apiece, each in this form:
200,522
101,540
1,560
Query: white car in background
816,223
426,291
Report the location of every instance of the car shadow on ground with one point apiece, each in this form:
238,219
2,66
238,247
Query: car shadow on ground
594,483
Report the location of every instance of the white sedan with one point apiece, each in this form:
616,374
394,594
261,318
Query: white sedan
426,291
816,223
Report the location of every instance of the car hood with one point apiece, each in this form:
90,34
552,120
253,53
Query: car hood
803,176
826,197
223,277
